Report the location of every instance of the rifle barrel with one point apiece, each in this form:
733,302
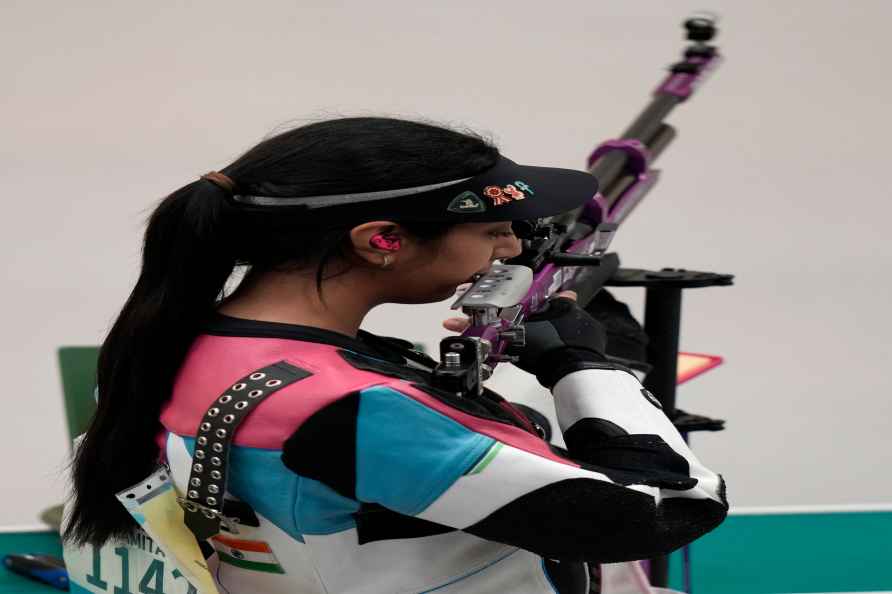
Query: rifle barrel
647,123
665,134
608,168
649,129
614,191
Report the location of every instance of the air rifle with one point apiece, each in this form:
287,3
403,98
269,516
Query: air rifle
569,251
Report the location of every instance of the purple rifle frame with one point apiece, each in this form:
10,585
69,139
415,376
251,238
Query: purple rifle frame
623,169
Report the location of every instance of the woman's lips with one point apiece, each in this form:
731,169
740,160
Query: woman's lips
462,289
476,276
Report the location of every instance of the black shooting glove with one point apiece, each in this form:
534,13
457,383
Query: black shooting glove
560,339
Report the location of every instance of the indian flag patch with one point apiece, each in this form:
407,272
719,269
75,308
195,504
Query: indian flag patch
254,555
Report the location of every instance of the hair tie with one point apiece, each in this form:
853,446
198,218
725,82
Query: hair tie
220,180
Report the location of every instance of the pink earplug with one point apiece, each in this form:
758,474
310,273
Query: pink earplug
385,242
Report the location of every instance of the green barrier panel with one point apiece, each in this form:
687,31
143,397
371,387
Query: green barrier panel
783,553
78,367
77,364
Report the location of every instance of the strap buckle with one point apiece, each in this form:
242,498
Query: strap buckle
229,524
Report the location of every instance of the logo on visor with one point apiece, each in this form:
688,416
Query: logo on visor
524,187
506,194
466,202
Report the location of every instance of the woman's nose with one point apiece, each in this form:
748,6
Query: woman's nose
516,247
512,249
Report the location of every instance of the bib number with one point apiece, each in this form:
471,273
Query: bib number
118,579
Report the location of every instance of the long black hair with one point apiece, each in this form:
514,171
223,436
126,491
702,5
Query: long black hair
195,238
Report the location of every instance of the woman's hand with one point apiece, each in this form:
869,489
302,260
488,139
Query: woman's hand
461,324
560,338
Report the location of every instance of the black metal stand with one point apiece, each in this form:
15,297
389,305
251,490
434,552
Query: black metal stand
662,322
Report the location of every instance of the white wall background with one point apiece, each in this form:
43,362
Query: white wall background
780,175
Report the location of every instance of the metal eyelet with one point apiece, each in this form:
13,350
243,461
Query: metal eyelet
216,461
217,447
241,405
209,513
273,383
190,506
205,426
213,489
240,386
255,393
221,433
213,412
199,454
197,467
193,494
257,376
225,398
216,475
228,418
202,440
196,482
211,500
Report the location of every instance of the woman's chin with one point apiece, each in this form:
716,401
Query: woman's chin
432,297
450,291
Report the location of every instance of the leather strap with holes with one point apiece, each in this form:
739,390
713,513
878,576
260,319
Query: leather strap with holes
203,502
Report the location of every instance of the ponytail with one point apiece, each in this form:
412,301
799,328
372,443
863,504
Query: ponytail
185,265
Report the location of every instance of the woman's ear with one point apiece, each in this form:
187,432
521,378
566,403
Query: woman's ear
374,240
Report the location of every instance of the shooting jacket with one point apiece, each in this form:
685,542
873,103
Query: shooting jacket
363,478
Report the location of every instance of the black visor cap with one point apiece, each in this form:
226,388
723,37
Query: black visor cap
505,192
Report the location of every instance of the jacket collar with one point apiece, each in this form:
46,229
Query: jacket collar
365,343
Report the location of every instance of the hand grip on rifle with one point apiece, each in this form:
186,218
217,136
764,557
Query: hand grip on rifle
560,339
